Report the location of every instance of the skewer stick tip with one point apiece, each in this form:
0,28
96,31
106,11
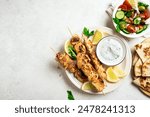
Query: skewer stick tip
53,50
69,31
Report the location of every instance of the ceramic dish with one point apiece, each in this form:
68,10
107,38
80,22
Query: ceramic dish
111,50
125,65
131,35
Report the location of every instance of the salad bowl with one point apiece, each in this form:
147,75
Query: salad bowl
128,22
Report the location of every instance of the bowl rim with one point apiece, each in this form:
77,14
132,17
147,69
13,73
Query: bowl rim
117,38
130,35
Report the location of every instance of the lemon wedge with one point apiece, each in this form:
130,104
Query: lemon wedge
120,73
97,37
67,43
88,86
111,75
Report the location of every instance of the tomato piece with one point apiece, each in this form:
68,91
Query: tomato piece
131,28
142,16
147,14
123,7
129,7
140,26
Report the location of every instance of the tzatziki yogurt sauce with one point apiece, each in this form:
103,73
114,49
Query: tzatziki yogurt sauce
111,50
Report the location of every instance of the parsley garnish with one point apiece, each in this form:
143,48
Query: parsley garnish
87,33
70,95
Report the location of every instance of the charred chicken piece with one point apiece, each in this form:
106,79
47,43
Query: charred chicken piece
92,53
71,66
80,48
77,44
84,64
75,39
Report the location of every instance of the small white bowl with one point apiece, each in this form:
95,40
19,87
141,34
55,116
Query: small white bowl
132,35
101,45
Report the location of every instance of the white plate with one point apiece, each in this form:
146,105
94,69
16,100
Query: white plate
125,65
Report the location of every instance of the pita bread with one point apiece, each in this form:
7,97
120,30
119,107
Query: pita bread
146,40
138,68
143,51
143,83
141,65
146,69
145,92
135,58
135,77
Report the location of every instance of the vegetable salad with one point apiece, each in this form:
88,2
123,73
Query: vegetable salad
129,21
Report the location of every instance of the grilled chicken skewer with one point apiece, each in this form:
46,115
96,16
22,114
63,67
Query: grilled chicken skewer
71,66
92,53
84,63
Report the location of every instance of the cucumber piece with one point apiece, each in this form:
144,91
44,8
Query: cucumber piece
137,21
145,27
142,29
123,25
125,31
139,31
142,8
125,17
120,15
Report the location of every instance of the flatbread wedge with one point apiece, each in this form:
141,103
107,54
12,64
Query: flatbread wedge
145,92
146,69
138,68
143,83
146,40
135,58
143,50
141,66
136,77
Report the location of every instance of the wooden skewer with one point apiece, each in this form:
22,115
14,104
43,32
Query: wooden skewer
70,31
70,34
53,50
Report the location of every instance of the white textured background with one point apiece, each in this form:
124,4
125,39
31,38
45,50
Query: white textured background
27,30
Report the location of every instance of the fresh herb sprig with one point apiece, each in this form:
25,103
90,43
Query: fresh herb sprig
129,14
70,95
87,33
117,22
72,52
